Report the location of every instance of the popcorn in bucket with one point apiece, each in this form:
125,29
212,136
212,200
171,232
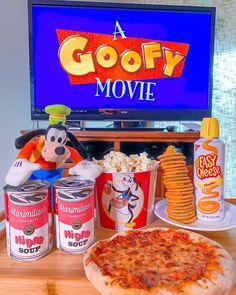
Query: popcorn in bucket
125,199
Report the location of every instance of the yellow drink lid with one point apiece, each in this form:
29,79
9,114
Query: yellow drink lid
209,128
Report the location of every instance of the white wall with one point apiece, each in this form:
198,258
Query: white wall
14,80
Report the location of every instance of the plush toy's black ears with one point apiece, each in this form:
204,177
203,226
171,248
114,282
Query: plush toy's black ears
78,146
22,140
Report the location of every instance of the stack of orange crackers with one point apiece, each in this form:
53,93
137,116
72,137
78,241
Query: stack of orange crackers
179,188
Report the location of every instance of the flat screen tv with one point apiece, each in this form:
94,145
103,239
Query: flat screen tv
110,61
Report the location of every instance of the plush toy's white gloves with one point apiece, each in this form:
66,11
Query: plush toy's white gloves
86,169
20,172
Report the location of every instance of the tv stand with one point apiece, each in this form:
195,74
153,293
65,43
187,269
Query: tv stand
120,129
99,142
119,126
128,124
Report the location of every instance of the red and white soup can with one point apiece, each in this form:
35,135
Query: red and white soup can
29,230
74,214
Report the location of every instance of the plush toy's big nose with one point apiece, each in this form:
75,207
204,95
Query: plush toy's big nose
60,150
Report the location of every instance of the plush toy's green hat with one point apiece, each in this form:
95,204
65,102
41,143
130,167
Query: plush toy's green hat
57,113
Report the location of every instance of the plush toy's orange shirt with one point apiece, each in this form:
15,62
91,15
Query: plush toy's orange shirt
31,146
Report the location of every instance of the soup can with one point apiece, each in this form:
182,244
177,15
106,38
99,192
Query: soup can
74,214
29,230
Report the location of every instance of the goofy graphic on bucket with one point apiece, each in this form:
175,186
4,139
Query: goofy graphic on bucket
124,200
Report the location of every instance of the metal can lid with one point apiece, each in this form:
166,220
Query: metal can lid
68,195
78,182
27,198
28,186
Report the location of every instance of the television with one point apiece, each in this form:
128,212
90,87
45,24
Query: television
121,62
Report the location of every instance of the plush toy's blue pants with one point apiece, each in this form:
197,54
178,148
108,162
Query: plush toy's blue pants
49,175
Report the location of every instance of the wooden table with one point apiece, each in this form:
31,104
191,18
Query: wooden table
62,274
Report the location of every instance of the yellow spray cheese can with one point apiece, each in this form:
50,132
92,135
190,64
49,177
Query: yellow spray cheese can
209,153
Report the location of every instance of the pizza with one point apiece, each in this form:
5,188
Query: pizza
160,261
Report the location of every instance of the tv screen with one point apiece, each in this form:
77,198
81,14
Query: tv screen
121,61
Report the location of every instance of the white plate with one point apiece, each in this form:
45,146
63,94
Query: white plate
228,222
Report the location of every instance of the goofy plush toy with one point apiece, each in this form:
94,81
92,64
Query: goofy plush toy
41,158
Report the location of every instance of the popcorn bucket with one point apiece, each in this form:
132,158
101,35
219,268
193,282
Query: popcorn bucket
125,200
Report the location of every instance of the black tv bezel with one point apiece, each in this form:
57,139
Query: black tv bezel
124,114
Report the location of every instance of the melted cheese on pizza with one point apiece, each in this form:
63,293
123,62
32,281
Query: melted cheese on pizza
154,259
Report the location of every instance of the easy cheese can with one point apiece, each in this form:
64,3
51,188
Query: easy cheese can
209,172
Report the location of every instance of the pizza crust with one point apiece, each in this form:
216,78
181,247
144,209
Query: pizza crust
220,284
101,283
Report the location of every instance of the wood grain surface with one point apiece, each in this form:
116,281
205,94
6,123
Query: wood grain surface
59,273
